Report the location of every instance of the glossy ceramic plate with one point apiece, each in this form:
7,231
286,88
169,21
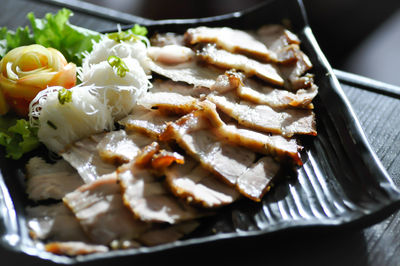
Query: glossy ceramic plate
341,183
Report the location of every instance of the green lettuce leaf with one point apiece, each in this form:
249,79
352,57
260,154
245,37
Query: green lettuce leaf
17,136
56,31
10,39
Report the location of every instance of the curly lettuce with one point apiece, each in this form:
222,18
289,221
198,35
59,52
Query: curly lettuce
17,136
54,30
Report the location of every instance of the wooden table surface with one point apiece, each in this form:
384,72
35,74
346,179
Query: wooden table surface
378,244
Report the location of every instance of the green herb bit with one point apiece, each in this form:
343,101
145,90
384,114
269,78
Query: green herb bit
119,64
139,30
64,96
129,35
51,124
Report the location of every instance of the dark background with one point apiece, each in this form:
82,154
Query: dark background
359,36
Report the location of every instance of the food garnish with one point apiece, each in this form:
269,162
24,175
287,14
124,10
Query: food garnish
26,70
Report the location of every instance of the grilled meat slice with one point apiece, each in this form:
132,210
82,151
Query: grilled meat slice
168,38
74,248
84,157
198,186
168,234
99,208
171,54
150,122
274,145
257,180
294,62
258,93
286,122
278,40
54,222
118,147
231,163
232,40
50,181
179,88
190,72
148,200
250,67
169,103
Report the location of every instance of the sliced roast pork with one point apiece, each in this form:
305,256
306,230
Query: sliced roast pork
250,67
193,133
283,149
152,156
286,45
181,66
258,178
168,38
150,122
50,181
169,103
258,93
148,199
74,248
54,222
179,88
286,122
278,40
84,157
196,185
99,208
295,74
232,40
121,146
171,233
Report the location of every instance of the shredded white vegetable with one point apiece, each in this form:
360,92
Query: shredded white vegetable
62,124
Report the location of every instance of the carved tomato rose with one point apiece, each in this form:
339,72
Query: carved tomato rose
26,70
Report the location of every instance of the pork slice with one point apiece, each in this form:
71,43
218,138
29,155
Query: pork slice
150,122
258,178
179,87
168,38
148,200
50,181
74,248
227,82
295,74
279,40
171,54
120,146
99,208
192,182
258,93
54,222
250,67
190,72
170,103
277,146
286,122
152,156
192,132
84,157
232,40
169,234
286,45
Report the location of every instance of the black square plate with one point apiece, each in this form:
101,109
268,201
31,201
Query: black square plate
342,182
